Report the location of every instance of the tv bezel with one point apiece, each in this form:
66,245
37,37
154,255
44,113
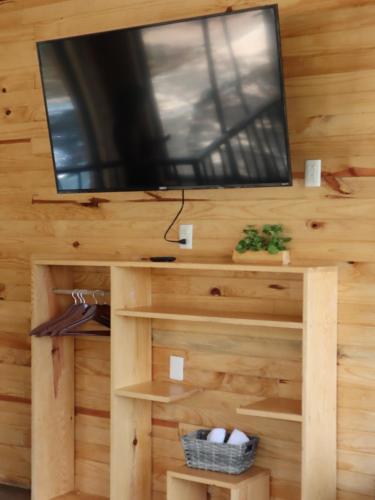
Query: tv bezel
227,12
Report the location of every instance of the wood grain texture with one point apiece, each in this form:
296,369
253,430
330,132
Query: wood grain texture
231,317
188,484
163,392
77,495
277,408
216,478
131,348
52,392
319,427
330,83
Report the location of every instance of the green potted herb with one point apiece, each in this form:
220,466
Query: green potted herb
267,246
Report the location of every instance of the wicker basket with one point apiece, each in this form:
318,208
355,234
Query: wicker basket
218,457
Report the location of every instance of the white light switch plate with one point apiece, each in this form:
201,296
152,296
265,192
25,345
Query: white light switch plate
176,368
313,173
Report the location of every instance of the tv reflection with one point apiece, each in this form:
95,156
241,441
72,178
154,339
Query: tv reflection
192,104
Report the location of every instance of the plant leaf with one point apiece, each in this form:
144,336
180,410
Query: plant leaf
272,249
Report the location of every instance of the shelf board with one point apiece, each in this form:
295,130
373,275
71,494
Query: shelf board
201,265
77,495
161,392
278,408
218,479
240,318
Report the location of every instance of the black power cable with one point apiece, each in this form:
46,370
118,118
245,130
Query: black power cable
183,240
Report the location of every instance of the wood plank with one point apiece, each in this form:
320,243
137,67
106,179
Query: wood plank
184,490
247,286
221,480
319,384
277,408
77,495
92,477
199,265
235,307
52,392
15,425
15,465
260,334
233,318
162,392
131,364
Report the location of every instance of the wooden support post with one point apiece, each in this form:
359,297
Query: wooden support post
319,385
130,364
52,452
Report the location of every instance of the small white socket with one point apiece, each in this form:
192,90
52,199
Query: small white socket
186,232
313,173
176,368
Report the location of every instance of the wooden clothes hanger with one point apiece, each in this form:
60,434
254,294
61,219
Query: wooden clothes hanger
77,314
73,311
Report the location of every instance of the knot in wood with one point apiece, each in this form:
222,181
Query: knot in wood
316,224
277,287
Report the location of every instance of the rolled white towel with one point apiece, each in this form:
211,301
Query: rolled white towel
217,435
238,437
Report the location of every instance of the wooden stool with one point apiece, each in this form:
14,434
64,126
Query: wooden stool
185,483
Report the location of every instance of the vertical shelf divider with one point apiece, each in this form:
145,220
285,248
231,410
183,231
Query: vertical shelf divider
319,384
52,372
131,352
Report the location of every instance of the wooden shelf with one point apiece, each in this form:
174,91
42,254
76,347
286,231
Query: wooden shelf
193,484
184,314
218,479
77,495
278,408
201,265
161,392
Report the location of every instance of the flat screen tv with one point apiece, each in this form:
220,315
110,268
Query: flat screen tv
197,103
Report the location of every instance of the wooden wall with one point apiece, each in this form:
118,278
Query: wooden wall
329,61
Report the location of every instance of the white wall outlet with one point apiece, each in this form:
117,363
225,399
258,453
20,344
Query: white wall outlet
176,368
186,232
313,173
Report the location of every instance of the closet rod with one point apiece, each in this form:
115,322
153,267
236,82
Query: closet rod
99,293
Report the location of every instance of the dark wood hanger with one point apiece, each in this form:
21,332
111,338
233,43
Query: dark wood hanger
74,310
103,314
76,315
91,314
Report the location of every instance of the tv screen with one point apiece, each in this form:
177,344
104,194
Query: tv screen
197,103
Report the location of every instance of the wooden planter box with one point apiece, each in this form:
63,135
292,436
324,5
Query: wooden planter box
279,259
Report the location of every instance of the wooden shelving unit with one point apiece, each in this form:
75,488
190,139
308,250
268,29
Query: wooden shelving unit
132,388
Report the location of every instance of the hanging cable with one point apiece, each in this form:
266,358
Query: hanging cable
183,240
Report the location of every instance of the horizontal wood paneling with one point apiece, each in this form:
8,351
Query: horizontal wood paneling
329,63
